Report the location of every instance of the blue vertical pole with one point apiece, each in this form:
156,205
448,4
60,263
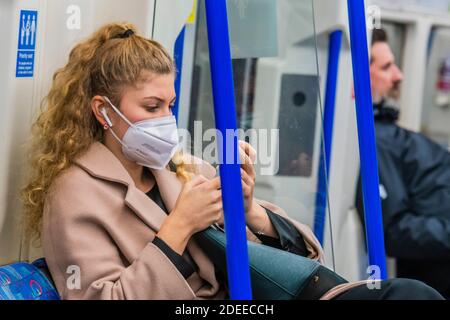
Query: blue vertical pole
328,121
225,117
330,93
366,136
178,56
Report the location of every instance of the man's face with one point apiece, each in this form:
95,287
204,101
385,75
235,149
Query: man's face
384,73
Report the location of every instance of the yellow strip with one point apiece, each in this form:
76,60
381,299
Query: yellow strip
191,18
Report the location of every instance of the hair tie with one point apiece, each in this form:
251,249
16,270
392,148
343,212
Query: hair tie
127,34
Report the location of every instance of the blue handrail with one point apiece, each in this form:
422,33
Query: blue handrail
366,136
178,57
328,121
225,118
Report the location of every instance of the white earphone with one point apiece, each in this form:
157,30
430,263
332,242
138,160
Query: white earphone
105,116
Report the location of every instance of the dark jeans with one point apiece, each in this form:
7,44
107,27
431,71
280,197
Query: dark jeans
393,289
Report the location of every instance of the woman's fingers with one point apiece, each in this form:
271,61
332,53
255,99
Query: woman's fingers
247,184
246,162
249,150
216,212
246,191
213,184
197,180
221,220
216,196
246,178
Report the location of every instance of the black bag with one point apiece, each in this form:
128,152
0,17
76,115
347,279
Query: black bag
275,274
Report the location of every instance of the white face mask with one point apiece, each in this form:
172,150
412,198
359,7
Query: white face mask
150,143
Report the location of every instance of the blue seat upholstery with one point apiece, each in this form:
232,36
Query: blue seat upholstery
27,281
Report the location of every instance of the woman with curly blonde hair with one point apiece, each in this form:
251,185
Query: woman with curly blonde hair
98,200
67,128
113,201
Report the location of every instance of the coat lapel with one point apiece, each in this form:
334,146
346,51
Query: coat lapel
145,208
169,186
101,163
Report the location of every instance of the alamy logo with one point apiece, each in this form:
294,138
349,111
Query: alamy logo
216,147
242,5
373,14
74,280
374,281
74,19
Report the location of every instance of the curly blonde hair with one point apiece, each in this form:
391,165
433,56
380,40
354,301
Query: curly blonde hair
104,64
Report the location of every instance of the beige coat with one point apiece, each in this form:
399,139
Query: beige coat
98,230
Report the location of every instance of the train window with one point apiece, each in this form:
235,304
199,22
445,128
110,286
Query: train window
436,98
277,96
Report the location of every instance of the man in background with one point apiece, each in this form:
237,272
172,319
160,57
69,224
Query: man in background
414,182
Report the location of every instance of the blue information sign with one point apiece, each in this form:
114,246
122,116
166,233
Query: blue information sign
26,43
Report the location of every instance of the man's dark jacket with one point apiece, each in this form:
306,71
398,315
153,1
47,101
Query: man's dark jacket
415,175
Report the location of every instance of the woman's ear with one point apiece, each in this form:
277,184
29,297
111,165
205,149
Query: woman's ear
98,103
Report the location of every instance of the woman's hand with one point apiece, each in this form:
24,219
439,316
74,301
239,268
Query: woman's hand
255,215
198,206
247,156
